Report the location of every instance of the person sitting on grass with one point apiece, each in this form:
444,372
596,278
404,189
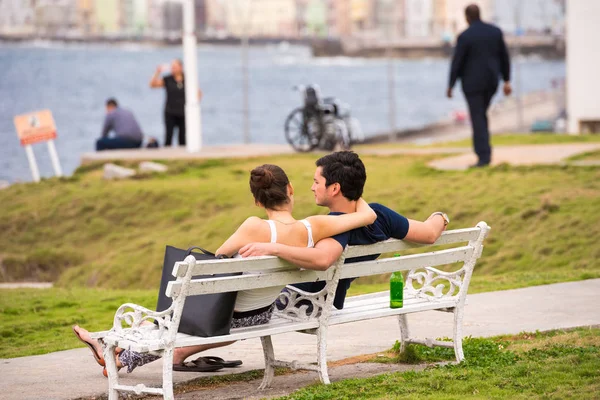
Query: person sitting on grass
127,131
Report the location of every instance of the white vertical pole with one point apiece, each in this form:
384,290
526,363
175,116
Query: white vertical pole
246,19
392,96
246,101
517,78
193,126
32,163
54,158
391,80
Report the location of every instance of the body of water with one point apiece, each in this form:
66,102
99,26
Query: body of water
74,81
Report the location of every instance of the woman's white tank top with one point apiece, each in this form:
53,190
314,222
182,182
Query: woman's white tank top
253,299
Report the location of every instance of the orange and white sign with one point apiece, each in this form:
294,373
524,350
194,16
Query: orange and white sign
35,127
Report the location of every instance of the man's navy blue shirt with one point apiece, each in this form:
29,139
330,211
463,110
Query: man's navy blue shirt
389,224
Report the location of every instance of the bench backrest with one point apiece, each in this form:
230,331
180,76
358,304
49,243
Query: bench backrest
423,279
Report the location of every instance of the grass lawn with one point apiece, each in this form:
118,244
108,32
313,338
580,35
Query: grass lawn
551,365
102,242
592,155
36,321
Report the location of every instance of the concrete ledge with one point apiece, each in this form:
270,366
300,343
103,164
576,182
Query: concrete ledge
180,153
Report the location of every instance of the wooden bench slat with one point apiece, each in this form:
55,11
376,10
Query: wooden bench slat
274,327
381,302
392,245
233,265
247,281
404,263
384,302
382,310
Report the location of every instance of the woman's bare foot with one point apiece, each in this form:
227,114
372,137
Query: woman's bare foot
97,351
84,336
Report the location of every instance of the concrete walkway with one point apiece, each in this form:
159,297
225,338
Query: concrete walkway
535,154
179,153
73,374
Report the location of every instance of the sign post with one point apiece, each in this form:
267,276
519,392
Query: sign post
35,172
37,127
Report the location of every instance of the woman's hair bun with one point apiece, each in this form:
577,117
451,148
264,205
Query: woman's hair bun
261,177
268,184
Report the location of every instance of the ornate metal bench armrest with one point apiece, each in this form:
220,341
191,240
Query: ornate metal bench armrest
137,319
448,283
301,305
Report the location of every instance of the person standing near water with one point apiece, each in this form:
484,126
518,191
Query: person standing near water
480,59
174,113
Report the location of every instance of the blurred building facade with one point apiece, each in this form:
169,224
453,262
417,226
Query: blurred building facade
583,56
17,16
107,17
376,20
261,18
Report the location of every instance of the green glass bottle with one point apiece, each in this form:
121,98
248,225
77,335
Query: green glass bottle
396,290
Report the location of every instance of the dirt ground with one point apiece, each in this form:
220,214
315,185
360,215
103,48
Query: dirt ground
286,384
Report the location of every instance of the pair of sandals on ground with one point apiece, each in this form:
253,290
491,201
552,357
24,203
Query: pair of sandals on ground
200,364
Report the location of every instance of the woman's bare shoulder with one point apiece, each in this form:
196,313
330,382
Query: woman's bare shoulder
254,220
251,222
254,229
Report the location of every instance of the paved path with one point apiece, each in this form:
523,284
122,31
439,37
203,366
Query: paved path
29,285
537,154
74,374
179,153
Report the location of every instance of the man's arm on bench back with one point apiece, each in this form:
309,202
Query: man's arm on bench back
320,257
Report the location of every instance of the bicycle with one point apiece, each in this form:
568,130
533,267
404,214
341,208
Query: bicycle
321,124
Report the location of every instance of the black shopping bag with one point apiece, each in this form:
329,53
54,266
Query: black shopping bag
203,315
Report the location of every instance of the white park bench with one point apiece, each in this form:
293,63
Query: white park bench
426,288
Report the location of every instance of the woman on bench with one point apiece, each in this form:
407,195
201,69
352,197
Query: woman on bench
272,191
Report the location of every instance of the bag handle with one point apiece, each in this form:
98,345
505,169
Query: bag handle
189,251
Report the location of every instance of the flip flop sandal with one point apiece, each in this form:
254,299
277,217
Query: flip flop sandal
97,356
193,366
212,360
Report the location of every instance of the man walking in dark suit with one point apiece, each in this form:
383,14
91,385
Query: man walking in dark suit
480,58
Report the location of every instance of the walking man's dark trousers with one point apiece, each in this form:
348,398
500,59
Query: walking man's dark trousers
480,58
479,102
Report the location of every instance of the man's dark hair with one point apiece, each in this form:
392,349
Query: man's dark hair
112,102
345,168
472,13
